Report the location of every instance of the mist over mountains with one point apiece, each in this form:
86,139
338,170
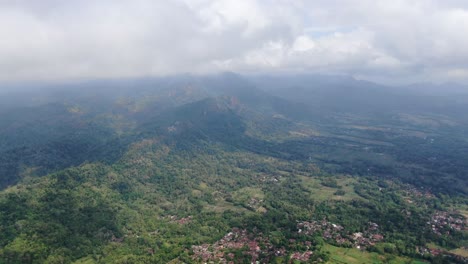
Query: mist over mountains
100,111
233,131
154,169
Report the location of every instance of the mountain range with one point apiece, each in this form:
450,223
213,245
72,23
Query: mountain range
229,167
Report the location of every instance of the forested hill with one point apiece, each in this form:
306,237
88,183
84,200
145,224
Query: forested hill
196,169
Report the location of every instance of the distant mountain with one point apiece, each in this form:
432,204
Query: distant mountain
338,94
443,89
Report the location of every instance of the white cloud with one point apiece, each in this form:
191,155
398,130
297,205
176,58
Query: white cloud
458,73
386,40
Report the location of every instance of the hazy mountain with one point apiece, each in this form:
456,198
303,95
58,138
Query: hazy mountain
155,170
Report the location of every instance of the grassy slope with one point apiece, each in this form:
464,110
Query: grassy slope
355,256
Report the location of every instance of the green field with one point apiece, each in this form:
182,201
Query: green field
352,255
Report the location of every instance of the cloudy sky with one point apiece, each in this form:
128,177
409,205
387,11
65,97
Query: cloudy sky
395,41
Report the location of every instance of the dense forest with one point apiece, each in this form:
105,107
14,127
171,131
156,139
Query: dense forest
232,169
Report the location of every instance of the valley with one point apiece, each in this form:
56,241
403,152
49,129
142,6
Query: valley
233,169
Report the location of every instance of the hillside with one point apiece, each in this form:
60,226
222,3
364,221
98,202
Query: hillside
197,169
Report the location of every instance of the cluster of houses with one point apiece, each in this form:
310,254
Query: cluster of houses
444,223
339,235
301,256
255,247
425,251
254,203
428,251
237,239
413,194
180,221
263,177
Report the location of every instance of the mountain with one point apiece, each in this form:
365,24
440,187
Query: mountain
332,94
219,168
441,89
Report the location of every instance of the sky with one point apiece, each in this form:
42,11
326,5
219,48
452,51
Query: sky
397,41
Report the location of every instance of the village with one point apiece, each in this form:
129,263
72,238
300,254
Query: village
237,239
444,223
256,248
337,234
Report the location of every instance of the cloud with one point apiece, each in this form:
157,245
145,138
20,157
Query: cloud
385,40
